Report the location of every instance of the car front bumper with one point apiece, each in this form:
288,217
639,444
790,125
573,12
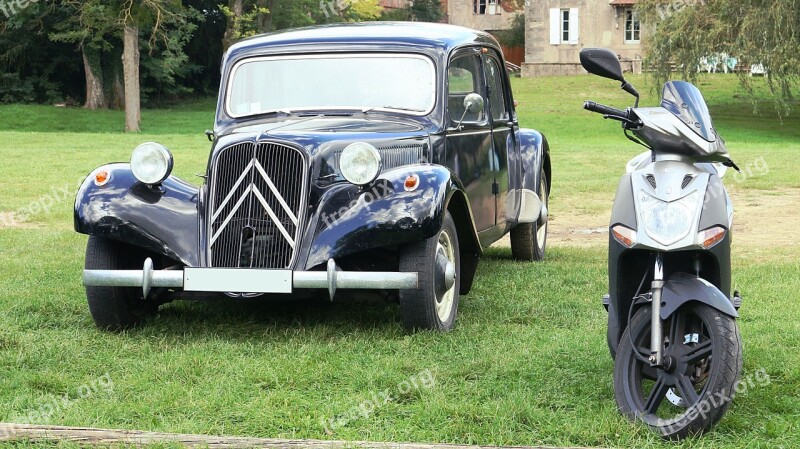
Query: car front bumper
249,280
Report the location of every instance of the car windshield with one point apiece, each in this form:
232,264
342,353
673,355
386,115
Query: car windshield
394,82
686,102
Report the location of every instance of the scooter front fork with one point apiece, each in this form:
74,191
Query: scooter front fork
656,328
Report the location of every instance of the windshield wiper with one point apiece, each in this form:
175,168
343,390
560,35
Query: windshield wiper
394,108
273,112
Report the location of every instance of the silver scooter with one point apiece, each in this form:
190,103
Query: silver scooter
671,315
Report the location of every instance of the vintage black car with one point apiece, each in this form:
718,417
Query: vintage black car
371,158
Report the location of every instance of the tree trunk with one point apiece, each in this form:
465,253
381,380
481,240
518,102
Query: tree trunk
130,69
95,96
237,8
117,100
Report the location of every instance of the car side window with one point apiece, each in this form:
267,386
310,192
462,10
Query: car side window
497,98
463,78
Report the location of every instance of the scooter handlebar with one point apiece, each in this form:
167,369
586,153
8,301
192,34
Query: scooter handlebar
605,110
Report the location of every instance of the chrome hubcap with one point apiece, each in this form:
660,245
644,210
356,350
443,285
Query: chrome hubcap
444,302
541,232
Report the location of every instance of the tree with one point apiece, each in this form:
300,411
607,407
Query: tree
32,67
514,36
418,11
427,10
156,16
763,32
90,25
108,34
250,17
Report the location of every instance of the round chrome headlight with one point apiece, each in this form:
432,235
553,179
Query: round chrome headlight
360,163
151,163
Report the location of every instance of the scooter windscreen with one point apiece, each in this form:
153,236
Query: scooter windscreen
686,102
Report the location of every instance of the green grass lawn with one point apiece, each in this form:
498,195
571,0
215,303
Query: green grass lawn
526,365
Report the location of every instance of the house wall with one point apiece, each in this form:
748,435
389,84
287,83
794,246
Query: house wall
461,12
599,25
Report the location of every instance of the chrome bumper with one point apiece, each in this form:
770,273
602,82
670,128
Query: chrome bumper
247,280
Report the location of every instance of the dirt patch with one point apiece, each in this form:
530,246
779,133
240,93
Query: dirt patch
766,218
762,218
8,220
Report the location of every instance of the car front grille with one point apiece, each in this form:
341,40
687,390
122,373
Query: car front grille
257,194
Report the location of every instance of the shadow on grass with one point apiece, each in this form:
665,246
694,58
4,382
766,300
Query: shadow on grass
257,318
318,319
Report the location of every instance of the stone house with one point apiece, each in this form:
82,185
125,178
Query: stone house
556,31
486,15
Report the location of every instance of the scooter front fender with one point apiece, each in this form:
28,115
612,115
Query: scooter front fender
684,288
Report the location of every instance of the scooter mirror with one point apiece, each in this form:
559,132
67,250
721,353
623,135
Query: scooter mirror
602,62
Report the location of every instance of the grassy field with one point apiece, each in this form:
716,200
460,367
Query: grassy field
526,365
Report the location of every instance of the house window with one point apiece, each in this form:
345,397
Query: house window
485,6
632,26
563,26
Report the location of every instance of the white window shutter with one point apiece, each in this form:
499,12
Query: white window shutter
573,26
555,26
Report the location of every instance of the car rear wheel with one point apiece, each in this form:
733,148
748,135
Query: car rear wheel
432,305
115,308
528,240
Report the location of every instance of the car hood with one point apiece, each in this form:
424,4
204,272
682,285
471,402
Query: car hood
318,129
323,137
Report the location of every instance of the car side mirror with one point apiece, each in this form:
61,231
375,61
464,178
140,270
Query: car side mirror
605,63
473,103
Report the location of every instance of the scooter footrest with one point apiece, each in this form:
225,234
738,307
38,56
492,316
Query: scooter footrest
737,300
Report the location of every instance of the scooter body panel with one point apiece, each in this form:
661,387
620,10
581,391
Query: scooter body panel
629,268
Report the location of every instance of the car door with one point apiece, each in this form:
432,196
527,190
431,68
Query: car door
503,135
469,136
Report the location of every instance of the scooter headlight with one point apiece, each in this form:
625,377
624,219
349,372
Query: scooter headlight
668,222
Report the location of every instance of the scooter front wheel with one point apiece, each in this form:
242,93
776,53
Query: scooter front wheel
689,393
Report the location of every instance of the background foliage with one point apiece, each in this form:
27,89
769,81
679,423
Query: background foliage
753,31
43,45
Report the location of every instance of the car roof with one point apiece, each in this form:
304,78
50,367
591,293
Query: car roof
439,36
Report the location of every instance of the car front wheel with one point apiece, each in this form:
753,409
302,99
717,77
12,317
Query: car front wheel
115,308
433,304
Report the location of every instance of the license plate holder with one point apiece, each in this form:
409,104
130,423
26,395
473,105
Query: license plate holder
238,280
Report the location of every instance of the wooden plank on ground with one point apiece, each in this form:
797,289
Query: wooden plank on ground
85,436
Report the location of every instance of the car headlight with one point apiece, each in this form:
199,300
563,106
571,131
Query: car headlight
360,163
151,163
668,222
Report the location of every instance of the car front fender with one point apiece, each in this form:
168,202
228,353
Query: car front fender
351,219
162,219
